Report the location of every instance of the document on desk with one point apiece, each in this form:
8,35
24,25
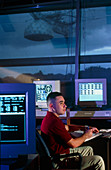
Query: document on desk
106,133
79,133
104,130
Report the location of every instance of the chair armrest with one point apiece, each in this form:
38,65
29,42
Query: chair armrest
59,156
68,160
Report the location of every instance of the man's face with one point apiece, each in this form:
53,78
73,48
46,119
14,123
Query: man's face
59,105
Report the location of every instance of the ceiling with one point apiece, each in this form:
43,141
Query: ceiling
17,6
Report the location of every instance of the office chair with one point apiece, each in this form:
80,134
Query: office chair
54,162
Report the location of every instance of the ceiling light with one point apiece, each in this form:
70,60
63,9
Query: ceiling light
38,30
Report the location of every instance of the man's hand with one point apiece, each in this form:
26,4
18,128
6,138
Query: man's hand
95,130
89,132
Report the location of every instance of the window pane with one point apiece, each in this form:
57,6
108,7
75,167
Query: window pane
38,34
96,31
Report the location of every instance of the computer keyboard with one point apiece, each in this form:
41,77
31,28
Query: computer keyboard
80,133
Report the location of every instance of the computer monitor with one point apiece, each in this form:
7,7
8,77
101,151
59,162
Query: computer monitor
17,119
43,88
90,92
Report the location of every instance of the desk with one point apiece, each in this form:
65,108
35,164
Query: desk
40,114
101,146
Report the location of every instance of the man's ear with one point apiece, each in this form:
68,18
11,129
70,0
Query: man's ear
50,105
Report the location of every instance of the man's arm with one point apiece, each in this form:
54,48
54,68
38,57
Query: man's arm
76,127
78,141
72,128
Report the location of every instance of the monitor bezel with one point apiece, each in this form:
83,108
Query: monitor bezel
13,150
91,103
55,87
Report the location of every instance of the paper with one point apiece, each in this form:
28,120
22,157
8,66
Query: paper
79,133
105,130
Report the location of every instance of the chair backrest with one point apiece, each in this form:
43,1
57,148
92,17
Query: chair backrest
43,151
41,145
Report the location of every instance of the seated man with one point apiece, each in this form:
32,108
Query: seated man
59,140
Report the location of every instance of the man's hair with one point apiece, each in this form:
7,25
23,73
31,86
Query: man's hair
53,95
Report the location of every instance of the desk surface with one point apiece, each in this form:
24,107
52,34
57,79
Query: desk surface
42,113
73,114
100,113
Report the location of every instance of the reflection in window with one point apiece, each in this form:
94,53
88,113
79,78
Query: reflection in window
38,34
28,73
95,31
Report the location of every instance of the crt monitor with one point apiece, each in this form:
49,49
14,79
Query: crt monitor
90,92
17,119
43,88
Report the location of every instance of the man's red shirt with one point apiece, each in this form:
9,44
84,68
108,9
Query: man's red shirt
54,133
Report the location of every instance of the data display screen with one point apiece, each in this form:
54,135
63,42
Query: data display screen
42,91
43,88
12,118
91,91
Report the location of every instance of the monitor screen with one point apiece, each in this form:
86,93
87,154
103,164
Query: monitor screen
90,92
17,119
12,109
43,88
